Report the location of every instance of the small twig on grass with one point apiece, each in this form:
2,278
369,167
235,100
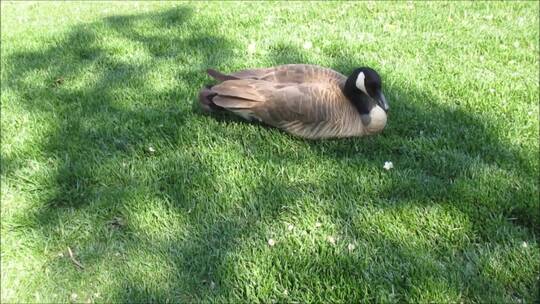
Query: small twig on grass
73,259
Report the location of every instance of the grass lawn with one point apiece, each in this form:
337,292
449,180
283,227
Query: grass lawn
105,152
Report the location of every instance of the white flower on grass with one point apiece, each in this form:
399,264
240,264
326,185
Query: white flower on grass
269,20
389,27
317,225
388,165
331,240
308,45
351,247
251,47
271,242
74,297
524,245
151,149
290,227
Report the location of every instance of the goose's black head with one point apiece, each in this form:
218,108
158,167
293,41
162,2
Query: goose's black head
364,85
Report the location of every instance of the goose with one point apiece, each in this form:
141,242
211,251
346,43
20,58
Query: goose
308,101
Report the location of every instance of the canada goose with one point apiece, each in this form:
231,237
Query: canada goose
305,100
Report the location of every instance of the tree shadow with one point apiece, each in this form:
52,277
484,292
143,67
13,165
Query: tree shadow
449,153
442,141
101,124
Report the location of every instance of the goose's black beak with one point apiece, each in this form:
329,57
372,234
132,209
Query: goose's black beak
381,101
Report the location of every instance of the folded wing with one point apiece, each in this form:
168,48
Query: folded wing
311,110
292,73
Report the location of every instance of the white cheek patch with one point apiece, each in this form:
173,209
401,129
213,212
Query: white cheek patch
360,83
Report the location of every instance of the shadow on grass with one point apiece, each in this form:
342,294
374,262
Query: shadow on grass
104,127
444,144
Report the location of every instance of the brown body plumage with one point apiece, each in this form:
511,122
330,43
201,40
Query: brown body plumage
305,100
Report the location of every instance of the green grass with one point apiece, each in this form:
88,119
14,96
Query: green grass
88,88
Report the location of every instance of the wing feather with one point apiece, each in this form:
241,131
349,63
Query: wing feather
244,88
292,73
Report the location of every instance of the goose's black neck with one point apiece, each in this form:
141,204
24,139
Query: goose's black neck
357,97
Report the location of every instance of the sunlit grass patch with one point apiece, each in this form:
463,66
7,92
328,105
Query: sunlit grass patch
105,154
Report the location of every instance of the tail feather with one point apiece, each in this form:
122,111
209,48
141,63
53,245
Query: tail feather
220,76
223,96
205,100
230,102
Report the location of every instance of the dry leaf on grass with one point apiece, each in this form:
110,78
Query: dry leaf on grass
73,259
